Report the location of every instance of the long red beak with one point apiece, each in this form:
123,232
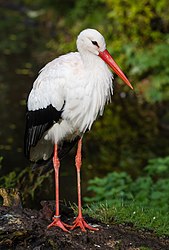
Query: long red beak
109,60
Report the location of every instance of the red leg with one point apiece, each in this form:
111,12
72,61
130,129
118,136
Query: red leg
80,222
56,219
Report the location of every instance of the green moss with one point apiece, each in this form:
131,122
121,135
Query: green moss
130,212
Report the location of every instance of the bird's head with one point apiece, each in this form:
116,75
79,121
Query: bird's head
90,40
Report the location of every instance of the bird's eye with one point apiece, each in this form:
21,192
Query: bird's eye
95,43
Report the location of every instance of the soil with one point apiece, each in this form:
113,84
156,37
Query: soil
22,229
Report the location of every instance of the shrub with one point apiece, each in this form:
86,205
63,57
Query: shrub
151,189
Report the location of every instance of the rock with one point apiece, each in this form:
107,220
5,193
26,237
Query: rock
11,197
23,228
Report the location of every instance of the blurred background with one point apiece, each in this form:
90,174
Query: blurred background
126,155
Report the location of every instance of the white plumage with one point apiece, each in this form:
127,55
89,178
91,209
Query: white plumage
80,80
84,90
68,95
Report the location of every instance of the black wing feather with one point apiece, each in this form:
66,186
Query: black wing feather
37,122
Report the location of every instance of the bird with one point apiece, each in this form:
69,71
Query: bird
68,95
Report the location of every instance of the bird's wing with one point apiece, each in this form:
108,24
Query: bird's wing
47,98
45,104
37,123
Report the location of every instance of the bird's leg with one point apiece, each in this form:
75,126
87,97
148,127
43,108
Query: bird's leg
56,219
79,221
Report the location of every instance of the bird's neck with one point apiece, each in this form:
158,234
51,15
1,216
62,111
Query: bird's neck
91,61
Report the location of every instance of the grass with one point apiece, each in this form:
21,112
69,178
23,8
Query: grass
141,217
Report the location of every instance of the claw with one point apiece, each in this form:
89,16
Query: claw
58,223
80,222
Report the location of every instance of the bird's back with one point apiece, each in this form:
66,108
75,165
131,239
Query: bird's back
45,106
71,96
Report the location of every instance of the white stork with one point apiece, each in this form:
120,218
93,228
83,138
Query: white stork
66,98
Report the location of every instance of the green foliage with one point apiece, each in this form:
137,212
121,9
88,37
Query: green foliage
26,181
134,127
130,212
149,190
150,66
113,185
158,167
9,181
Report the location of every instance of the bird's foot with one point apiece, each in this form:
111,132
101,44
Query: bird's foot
80,222
58,223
